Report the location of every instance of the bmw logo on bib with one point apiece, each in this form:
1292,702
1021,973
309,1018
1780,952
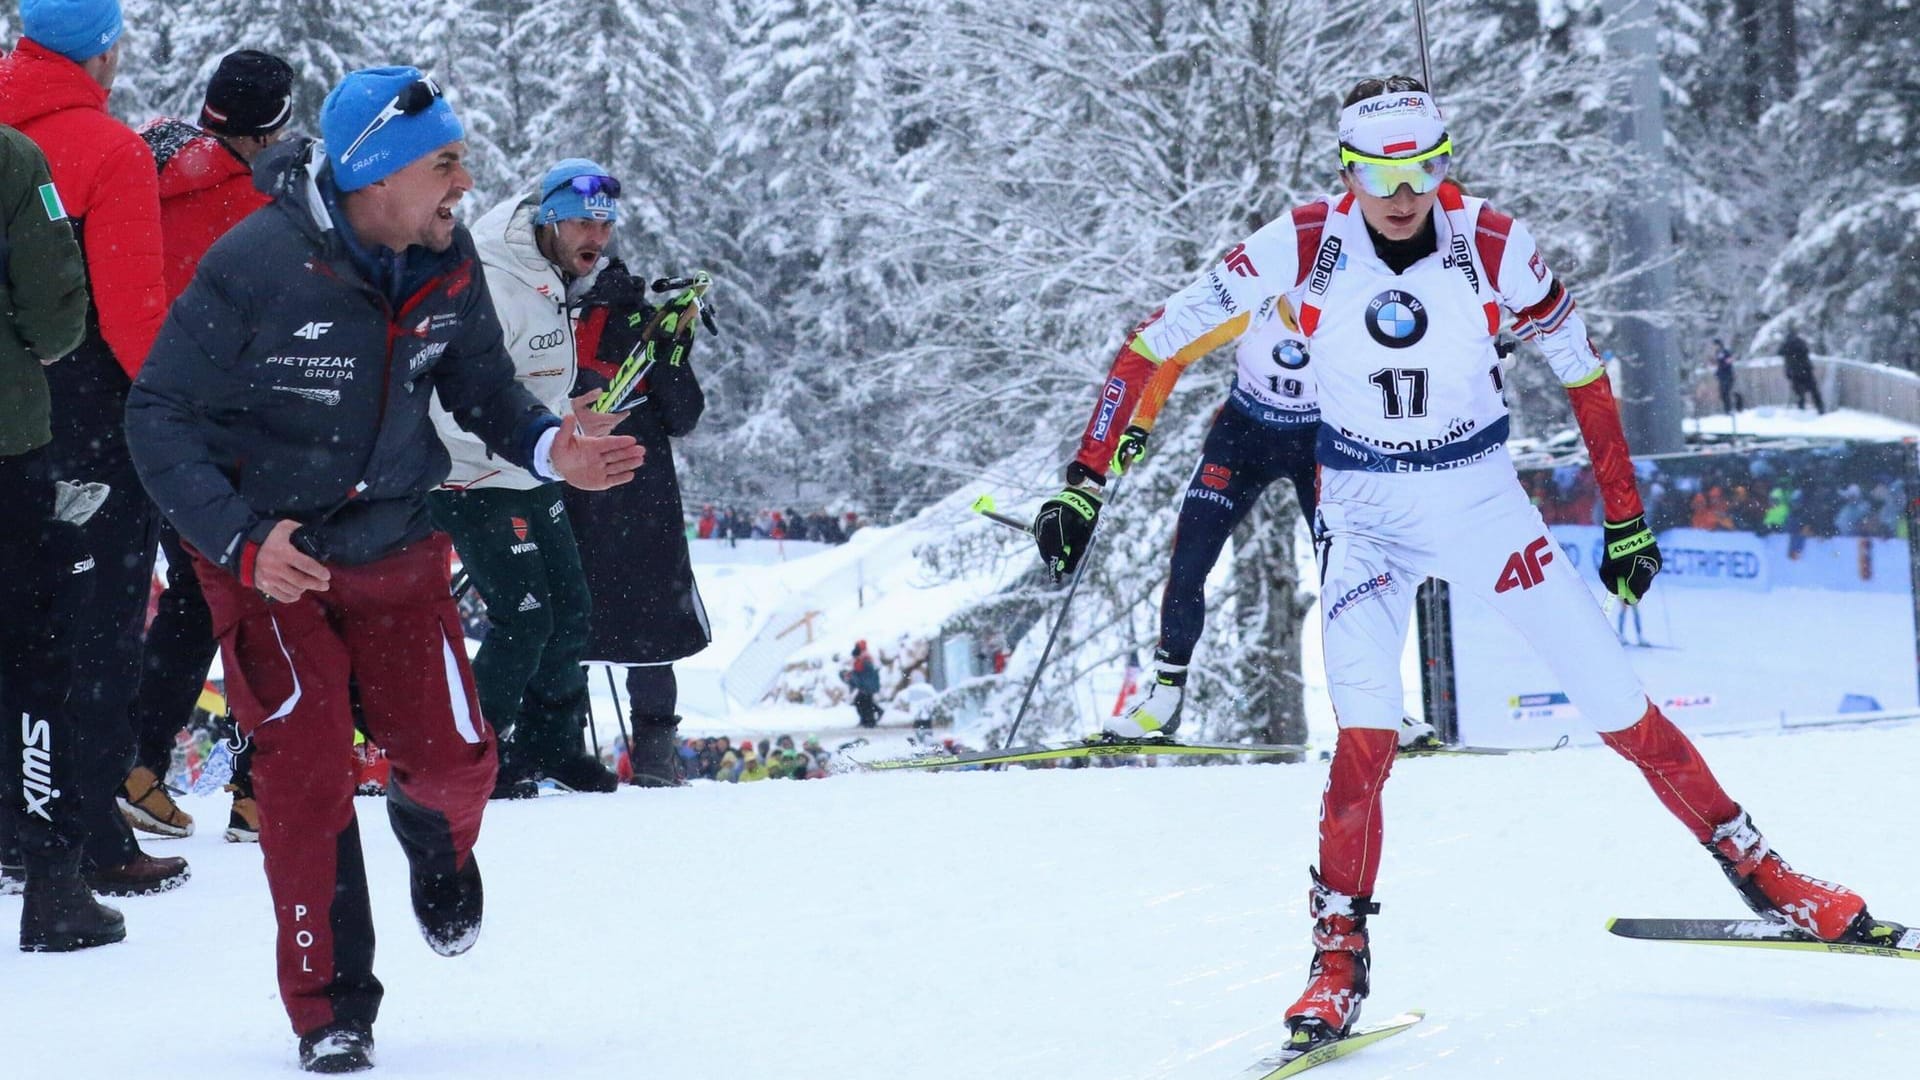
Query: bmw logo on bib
1396,319
1290,354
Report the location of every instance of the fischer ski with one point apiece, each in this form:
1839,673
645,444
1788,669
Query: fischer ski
1431,748
1294,1062
1876,938
671,329
1087,748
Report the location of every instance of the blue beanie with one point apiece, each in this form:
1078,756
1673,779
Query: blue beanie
402,140
558,200
76,29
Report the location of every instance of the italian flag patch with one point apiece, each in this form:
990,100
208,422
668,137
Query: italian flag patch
50,199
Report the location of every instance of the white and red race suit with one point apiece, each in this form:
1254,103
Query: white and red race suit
1416,481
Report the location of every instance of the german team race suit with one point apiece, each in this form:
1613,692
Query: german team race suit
291,382
512,529
1263,432
1416,482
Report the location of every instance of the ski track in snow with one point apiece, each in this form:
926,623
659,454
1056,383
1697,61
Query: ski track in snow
1105,924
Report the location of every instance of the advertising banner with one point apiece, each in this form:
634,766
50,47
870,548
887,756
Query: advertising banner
1787,593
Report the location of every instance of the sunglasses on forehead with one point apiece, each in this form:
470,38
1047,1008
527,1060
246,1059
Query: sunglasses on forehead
414,98
586,185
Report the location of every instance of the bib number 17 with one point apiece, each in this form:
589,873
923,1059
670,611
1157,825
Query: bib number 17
1403,391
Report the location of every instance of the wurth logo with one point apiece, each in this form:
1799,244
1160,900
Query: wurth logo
1238,262
519,527
313,331
36,767
1523,567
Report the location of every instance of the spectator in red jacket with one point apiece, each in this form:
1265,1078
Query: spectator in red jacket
53,88
206,187
206,174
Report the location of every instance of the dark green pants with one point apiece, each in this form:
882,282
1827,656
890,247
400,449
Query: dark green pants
519,550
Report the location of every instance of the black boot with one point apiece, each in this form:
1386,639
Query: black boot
61,914
337,1048
654,753
583,772
448,908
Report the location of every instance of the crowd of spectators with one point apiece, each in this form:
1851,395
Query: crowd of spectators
736,525
1837,492
718,757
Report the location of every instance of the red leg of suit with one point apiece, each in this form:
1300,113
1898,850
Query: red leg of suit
1350,809
1676,771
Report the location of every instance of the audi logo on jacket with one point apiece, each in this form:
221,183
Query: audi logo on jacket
286,385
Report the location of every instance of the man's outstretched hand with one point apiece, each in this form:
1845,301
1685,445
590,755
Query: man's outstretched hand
594,423
595,462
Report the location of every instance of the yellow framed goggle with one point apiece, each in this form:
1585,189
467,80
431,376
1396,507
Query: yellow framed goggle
1381,176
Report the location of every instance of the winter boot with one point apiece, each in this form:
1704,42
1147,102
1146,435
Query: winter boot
142,875
337,1048
148,806
243,821
448,908
515,787
654,753
583,772
1776,891
1337,981
1157,710
61,914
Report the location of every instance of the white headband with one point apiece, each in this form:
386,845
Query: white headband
1393,124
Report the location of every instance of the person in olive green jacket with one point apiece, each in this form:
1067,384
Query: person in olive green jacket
43,294
43,562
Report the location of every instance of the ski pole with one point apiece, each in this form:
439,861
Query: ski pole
1420,30
984,507
619,715
1060,619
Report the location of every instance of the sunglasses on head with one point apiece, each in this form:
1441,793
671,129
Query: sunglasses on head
414,98
588,185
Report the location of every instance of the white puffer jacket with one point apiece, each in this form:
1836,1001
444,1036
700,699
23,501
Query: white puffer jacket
535,306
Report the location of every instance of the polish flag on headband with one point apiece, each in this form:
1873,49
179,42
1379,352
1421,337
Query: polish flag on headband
1393,125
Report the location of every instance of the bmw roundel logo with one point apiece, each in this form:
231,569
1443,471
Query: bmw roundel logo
1396,319
1290,354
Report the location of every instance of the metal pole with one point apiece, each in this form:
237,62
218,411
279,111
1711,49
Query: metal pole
1651,404
1420,30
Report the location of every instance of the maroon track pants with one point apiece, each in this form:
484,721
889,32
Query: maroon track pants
388,633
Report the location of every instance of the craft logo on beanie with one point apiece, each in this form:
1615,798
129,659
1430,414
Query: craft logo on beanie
76,29
381,120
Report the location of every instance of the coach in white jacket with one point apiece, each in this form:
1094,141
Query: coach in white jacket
541,251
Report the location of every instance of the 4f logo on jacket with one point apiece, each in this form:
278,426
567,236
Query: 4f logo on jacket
313,331
36,766
1240,263
1523,567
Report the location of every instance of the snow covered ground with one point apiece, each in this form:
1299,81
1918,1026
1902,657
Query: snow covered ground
1103,924
1774,421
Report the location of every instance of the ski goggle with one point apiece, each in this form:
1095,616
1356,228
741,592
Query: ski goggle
584,186
1381,177
414,98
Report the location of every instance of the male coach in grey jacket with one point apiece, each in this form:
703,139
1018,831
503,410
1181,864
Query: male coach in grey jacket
281,424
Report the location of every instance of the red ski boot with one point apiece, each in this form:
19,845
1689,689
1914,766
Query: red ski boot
1337,981
1776,891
